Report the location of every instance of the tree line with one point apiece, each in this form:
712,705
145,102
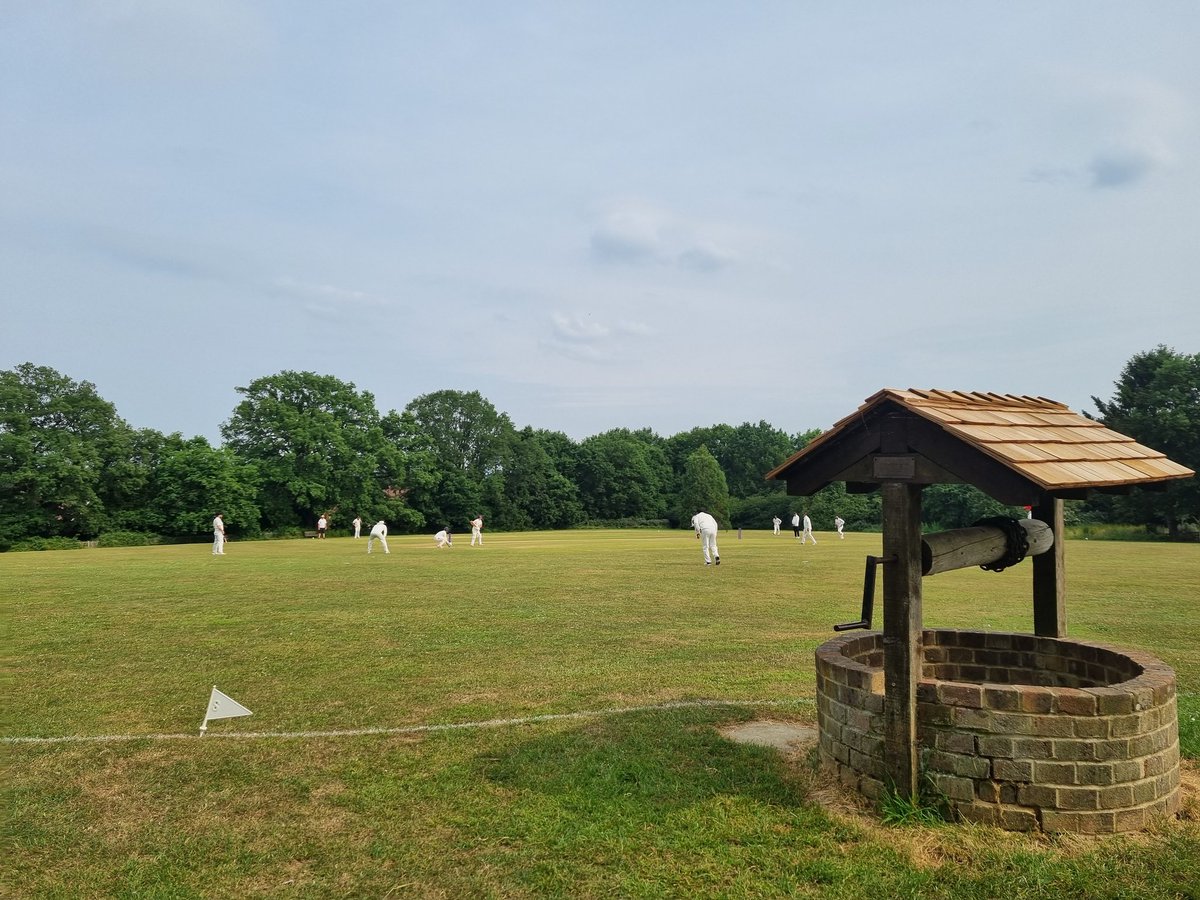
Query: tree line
302,444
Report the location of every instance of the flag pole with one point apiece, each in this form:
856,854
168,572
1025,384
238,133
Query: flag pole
204,724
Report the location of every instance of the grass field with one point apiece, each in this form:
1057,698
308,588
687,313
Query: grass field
317,636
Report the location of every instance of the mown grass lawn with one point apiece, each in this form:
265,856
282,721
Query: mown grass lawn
317,636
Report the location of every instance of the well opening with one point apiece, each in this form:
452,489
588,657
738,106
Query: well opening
1015,730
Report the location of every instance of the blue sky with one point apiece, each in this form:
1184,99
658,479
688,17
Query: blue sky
598,214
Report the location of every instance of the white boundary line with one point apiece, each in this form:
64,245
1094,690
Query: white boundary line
403,729
416,729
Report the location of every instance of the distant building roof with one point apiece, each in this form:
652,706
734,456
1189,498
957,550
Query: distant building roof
1043,441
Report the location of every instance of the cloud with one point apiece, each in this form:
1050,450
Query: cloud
611,247
1128,128
701,259
1118,170
578,329
327,300
159,254
155,263
217,40
635,233
581,338
1054,175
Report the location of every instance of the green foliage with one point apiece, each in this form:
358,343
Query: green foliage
468,444
929,808
1189,725
317,444
55,434
1157,402
532,492
301,444
703,488
193,482
745,454
757,511
862,512
127,539
50,543
464,431
945,507
623,474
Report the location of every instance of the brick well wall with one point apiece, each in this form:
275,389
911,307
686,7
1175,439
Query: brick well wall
1016,730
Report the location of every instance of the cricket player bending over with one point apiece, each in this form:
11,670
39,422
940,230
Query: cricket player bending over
706,531
378,533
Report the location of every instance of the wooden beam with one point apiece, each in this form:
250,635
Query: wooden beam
901,633
924,471
972,466
1050,575
859,487
980,545
820,467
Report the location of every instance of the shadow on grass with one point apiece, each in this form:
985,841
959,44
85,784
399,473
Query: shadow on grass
657,762
661,800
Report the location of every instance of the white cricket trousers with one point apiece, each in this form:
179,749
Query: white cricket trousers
708,540
377,537
218,543
476,534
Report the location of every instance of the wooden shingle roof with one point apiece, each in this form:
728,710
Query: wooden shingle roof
1038,439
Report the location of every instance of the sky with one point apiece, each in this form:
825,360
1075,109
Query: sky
662,214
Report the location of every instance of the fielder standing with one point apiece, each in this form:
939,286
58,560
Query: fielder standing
808,531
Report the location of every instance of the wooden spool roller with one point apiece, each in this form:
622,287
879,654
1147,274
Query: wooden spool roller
979,546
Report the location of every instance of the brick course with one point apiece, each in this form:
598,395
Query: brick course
1016,730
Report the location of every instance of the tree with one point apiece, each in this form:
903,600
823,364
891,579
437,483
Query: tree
704,488
469,443
317,443
535,494
408,473
623,474
949,506
194,481
55,434
131,457
465,431
1157,402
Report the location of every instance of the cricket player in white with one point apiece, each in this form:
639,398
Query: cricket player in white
840,523
218,536
357,527
378,533
443,539
808,531
777,522
706,531
477,530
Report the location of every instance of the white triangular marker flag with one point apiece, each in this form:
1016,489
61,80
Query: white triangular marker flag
221,706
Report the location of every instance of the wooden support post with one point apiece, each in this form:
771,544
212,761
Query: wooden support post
1049,575
902,655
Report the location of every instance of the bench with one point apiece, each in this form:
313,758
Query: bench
310,534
